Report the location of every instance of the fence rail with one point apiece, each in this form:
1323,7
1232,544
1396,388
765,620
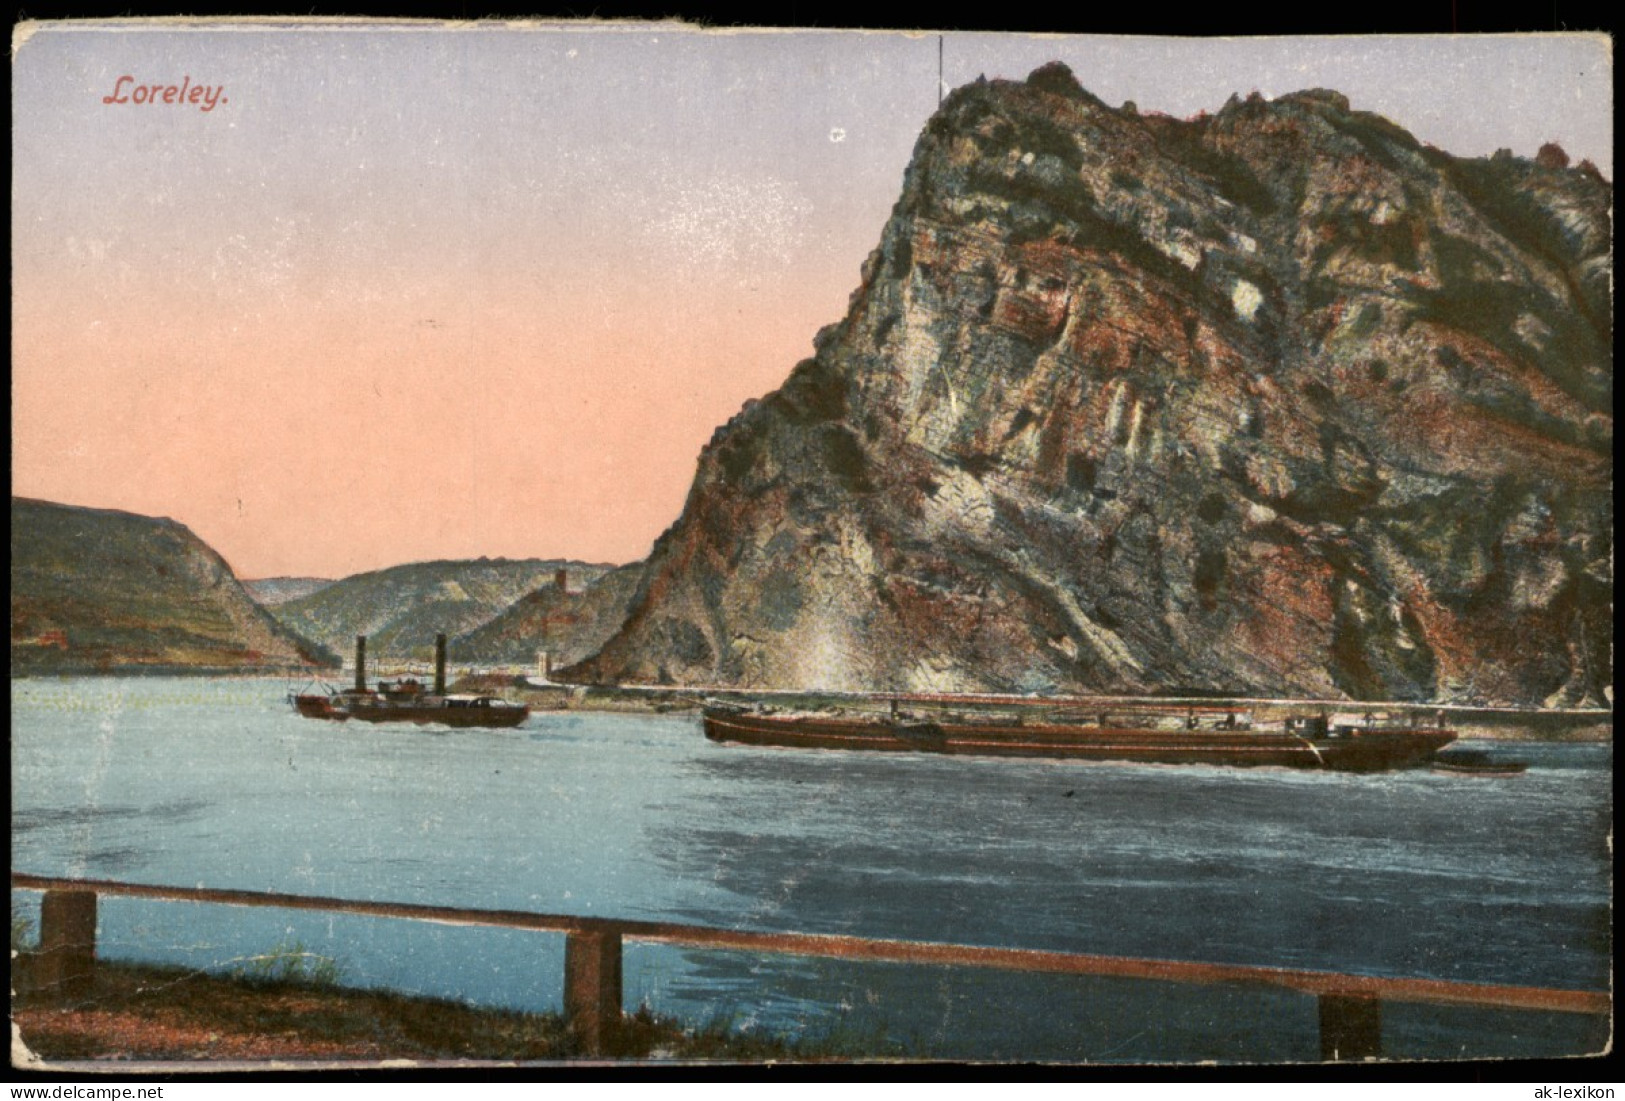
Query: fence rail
1349,1005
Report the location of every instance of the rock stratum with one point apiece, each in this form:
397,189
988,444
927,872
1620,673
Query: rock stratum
1272,401
99,591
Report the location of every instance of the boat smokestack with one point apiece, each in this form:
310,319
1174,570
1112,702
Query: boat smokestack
360,663
440,665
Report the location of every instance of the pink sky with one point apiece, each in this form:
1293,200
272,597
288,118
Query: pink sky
413,294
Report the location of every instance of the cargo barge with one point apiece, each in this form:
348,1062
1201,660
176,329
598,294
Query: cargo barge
405,700
1313,742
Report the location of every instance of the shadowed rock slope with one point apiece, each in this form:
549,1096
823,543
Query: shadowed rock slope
570,624
1276,400
98,591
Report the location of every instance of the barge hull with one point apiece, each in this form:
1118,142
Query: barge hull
1355,751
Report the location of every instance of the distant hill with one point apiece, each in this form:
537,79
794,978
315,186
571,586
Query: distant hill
271,591
400,609
569,624
98,591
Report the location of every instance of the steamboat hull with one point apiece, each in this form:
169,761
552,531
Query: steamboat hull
1352,751
441,715
319,707
374,708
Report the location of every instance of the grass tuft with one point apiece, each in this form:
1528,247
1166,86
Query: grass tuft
287,1005
22,932
289,963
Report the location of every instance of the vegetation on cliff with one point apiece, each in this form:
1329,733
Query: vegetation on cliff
99,591
402,608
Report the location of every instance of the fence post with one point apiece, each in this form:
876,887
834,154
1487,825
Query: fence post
592,987
67,942
1350,1027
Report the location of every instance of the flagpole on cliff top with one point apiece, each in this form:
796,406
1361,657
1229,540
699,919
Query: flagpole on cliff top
939,70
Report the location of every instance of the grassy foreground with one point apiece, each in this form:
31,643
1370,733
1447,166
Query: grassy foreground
138,1012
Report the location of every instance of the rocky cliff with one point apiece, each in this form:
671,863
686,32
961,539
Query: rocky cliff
97,591
1276,400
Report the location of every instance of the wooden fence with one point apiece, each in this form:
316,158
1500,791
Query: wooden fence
1350,1005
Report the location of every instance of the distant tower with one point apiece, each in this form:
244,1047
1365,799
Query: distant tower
562,580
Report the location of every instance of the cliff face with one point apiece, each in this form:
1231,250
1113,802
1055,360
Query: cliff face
97,591
402,608
1273,401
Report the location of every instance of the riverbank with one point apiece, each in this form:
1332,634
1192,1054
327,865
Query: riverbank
135,1013
1471,723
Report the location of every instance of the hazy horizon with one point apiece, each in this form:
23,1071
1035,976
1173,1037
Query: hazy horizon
418,293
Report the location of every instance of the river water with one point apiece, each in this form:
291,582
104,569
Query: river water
201,782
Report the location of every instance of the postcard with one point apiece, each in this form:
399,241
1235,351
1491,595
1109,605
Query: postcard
548,542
